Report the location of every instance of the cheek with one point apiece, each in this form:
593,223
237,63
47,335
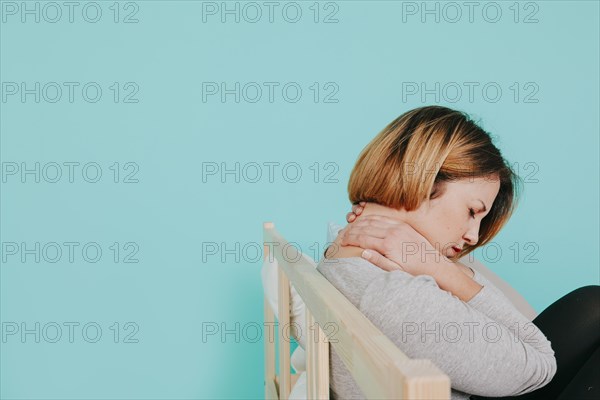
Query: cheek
442,227
446,221
454,225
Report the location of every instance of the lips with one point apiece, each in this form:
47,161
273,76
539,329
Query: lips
456,249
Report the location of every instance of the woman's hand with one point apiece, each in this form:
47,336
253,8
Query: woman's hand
357,209
393,245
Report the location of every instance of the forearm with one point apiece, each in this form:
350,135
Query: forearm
451,278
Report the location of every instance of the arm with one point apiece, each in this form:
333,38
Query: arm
492,302
486,274
456,280
481,355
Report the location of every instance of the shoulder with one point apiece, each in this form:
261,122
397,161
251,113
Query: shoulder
396,298
399,289
356,267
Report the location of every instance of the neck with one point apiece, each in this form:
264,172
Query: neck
378,209
339,251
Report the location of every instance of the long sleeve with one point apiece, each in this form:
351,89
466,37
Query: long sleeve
485,346
499,308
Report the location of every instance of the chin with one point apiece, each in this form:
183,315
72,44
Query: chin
452,255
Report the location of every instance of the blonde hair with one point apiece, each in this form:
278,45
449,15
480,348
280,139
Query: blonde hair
413,157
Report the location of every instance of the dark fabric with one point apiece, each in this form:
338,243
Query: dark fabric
572,324
586,383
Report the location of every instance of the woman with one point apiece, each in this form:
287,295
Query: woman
431,187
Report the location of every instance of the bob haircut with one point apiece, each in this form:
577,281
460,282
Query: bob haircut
414,156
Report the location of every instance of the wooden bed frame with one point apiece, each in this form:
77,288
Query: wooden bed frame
380,369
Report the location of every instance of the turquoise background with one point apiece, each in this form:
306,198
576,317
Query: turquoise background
171,215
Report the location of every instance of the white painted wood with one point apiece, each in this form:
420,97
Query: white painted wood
380,368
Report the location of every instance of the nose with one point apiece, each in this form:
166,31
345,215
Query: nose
472,235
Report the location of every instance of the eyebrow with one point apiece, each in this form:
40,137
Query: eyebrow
483,204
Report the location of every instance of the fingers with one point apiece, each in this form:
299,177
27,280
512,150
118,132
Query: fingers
376,221
381,218
358,208
379,260
366,241
331,251
350,217
354,233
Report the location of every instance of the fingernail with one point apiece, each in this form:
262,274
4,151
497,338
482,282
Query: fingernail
366,254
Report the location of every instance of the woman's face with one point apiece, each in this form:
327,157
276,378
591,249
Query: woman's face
453,219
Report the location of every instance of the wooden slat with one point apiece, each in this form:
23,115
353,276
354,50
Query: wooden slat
317,360
293,380
270,392
380,368
270,389
284,334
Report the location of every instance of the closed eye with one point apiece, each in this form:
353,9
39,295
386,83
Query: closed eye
472,212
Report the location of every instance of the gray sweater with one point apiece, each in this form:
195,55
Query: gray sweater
485,345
